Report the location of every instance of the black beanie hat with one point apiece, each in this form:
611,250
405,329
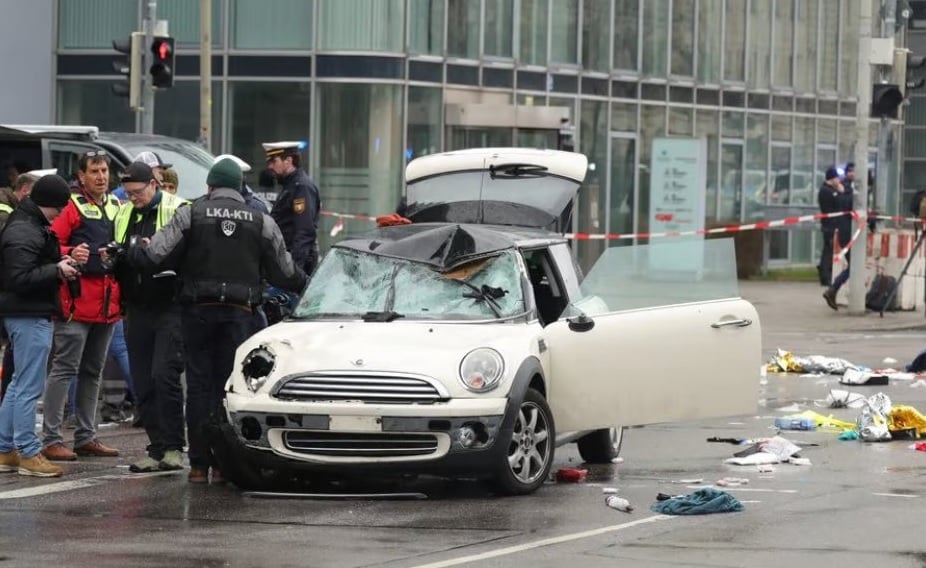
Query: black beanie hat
50,191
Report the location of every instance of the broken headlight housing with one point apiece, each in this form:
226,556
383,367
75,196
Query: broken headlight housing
257,366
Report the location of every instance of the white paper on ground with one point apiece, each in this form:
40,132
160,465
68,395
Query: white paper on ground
791,408
760,458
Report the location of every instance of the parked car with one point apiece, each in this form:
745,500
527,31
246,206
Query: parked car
50,146
468,343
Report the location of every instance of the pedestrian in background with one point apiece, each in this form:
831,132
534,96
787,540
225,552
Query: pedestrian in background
32,269
832,198
90,310
152,319
171,181
226,248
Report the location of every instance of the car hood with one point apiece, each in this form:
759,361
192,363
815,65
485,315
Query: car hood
432,349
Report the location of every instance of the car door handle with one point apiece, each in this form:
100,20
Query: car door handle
735,323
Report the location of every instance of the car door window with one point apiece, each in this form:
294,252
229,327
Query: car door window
65,156
549,293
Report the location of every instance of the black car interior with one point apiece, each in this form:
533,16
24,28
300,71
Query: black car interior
548,291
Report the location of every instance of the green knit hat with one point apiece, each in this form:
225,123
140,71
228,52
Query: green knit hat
225,173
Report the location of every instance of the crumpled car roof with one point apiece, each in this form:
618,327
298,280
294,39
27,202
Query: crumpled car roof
440,245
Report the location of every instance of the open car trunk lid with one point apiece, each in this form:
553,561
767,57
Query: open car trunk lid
495,186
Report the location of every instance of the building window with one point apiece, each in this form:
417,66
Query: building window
463,29
361,25
426,26
760,44
533,27
94,23
564,35
655,37
626,26
707,125
499,28
683,35
183,19
592,203
734,62
849,49
596,35
92,102
829,49
176,112
267,112
710,40
784,43
361,159
425,113
805,55
272,24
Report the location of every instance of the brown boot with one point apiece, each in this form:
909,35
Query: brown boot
198,475
58,452
96,449
830,297
38,466
9,461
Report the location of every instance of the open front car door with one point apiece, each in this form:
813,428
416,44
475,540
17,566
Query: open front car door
653,340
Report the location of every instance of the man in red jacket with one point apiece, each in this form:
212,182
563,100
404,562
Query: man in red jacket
90,309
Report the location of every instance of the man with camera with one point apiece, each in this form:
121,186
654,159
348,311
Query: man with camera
152,319
90,308
32,269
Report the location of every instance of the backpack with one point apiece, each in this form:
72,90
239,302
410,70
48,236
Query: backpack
918,204
882,286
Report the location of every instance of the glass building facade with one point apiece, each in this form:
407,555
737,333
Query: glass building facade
372,83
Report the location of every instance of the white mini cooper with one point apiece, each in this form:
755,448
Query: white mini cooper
468,343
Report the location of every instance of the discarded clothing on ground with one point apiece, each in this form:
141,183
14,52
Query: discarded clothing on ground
786,362
701,502
826,421
860,377
919,363
906,418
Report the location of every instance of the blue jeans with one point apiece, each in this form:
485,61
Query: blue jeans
31,338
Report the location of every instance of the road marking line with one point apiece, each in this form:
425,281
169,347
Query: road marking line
541,543
74,484
896,495
752,489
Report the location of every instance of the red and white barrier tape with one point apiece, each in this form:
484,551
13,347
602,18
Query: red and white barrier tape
838,256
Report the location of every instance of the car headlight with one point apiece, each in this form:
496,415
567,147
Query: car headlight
257,366
481,369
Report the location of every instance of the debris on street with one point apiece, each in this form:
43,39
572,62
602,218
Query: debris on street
701,502
618,503
571,475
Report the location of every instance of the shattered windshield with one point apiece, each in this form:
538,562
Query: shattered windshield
378,288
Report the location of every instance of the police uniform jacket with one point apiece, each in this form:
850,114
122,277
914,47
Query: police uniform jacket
84,220
831,201
29,254
225,249
296,212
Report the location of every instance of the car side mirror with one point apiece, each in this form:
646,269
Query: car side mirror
581,323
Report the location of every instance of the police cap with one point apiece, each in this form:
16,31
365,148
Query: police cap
280,149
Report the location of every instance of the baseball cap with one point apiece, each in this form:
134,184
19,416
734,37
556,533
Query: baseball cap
152,159
137,172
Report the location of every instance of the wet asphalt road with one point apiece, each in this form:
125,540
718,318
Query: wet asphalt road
857,505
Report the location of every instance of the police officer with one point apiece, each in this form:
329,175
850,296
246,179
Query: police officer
152,322
296,208
224,249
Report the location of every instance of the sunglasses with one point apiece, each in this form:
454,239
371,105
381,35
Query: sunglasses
95,154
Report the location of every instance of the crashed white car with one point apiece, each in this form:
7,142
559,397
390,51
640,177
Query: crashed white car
468,343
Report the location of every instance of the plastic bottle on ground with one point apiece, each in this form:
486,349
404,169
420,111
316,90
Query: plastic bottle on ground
618,503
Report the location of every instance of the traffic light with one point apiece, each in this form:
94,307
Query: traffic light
129,64
162,63
913,63
886,98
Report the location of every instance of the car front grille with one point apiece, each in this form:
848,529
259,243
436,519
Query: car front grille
366,388
357,444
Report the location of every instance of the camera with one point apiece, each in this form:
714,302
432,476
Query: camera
113,250
74,285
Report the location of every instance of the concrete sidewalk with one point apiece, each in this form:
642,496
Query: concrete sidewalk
784,306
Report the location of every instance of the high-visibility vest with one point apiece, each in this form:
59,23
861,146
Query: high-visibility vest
166,209
4,208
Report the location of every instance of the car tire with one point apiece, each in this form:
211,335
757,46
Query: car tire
601,446
528,456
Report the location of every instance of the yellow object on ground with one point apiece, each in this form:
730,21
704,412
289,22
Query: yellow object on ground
905,417
828,421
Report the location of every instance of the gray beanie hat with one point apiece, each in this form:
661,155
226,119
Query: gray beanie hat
225,173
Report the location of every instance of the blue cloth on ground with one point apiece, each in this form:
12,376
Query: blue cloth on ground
701,502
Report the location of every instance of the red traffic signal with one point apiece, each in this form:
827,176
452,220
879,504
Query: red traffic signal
162,67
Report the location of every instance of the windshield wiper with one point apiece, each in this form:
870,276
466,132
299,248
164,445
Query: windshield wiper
517,170
486,293
381,316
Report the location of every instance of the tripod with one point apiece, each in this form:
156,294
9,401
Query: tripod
916,248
